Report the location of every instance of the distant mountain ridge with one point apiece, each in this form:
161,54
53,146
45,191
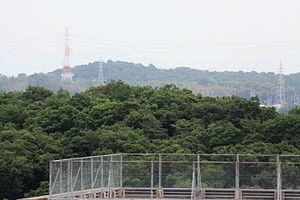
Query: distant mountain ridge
208,83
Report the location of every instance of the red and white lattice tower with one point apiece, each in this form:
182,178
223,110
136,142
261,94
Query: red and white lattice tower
67,72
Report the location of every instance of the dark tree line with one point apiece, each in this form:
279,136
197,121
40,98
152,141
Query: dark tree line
38,125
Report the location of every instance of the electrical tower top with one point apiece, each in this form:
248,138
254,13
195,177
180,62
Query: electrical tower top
281,99
67,72
100,73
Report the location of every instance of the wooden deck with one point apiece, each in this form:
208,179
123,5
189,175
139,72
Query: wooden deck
175,194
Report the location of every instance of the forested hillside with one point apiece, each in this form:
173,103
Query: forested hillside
38,125
207,83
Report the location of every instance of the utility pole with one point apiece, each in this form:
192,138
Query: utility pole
281,98
67,73
100,73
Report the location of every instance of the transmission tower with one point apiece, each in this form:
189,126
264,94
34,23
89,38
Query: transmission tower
100,73
67,72
281,98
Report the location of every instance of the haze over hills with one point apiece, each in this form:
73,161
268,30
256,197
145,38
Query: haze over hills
207,83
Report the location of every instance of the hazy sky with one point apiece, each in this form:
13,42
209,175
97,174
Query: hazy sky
217,35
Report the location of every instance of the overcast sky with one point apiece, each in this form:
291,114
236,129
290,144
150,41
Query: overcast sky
217,35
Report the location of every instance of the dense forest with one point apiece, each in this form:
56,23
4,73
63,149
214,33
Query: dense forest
204,82
38,125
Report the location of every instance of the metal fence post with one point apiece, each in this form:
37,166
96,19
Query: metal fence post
109,178
121,171
193,183
279,196
71,185
68,176
152,178
237,177
81,174
92,173
101,171
108,183
50,179
111,166
60,177
199,173
159,171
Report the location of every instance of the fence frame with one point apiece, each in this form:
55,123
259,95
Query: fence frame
60,188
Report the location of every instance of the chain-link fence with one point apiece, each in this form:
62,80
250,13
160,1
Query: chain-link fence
76,175
188,172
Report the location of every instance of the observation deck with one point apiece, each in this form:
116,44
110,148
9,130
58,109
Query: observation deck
176,176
